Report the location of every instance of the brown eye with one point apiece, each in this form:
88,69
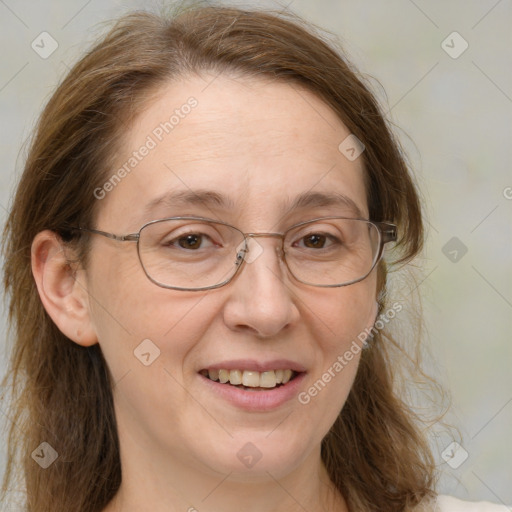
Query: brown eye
191,241
318,241
315,241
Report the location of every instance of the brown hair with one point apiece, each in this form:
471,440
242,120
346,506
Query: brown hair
375,452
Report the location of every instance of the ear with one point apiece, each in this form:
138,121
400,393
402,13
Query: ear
65,298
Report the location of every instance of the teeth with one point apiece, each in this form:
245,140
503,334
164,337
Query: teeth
250,379
287,376
223,376
268,379
235,377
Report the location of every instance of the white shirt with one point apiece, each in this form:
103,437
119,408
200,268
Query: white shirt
450,504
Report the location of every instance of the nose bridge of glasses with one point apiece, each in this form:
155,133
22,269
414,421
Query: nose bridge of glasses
254,235
254,250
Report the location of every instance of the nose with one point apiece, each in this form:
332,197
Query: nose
261,300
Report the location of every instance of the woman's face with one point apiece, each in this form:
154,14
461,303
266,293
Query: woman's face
258,145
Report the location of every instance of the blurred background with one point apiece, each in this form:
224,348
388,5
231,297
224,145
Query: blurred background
442,71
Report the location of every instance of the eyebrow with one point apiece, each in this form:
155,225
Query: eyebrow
210,198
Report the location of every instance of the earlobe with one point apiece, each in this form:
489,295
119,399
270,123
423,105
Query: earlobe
63,296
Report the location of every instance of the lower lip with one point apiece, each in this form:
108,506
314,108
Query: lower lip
256,400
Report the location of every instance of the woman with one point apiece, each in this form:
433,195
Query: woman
194,259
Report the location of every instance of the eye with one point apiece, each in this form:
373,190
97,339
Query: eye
192,241
317,241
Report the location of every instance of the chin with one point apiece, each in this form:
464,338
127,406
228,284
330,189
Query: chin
252,457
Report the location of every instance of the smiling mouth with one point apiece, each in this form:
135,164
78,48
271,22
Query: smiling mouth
251,380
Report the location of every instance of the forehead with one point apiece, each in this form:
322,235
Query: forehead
252,149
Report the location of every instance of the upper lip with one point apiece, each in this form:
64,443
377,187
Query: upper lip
256,366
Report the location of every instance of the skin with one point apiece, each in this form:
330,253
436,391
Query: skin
261,143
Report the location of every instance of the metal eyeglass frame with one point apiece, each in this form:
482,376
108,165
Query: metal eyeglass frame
387,232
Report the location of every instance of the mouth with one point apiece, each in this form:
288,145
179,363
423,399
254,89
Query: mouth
250,380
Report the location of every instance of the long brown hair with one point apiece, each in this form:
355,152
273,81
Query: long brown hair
375,452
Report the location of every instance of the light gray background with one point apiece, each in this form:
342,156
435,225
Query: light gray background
457,114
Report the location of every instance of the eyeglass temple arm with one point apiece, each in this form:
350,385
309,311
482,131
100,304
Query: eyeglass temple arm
132,237
389,231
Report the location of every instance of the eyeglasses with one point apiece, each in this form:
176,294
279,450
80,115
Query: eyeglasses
196,253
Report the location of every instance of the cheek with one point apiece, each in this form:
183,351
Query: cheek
339,317
148,335
137,318
133,316
337,321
